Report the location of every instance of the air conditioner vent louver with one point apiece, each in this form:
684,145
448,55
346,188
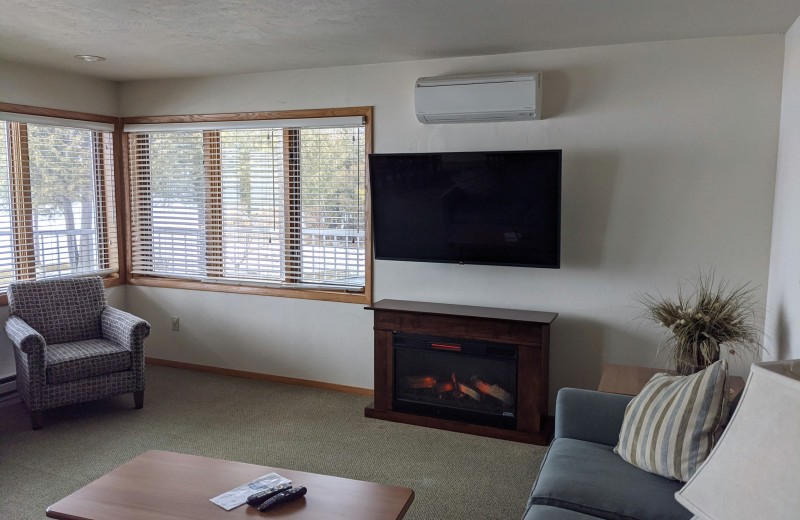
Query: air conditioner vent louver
487,98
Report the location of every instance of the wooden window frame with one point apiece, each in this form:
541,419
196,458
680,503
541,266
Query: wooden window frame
21,207
213,204
20,185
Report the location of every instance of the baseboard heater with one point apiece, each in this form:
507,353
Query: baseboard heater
8,388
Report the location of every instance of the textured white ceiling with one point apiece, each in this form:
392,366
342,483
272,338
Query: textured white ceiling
176,38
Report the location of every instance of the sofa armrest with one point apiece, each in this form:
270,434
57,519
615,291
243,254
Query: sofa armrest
30,350
24,337
129,331
588,415
124,329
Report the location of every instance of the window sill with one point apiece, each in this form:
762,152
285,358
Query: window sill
109,281
306,294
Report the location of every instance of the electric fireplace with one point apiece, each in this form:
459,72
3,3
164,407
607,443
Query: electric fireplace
474,381
477,370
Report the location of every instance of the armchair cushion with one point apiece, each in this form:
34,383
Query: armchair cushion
61,310
82,359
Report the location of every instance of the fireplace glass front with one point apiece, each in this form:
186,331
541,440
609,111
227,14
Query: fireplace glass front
470,381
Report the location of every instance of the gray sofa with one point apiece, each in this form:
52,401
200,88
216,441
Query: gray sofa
581,478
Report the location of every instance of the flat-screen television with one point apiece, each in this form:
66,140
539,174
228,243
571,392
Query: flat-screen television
497,208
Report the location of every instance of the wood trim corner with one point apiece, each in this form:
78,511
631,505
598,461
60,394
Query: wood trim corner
121,200
21,205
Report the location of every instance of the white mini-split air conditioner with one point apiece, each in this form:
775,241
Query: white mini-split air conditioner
488,97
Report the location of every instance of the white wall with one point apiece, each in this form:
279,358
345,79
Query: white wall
669,167
783,303
36,86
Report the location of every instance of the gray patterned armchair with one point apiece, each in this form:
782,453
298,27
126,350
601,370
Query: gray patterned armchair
70,346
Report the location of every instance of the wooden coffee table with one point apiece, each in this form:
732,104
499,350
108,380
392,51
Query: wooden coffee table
160,485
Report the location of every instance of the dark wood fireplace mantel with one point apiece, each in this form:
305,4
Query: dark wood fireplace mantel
529,331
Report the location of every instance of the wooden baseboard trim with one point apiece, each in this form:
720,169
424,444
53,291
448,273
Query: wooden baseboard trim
262,377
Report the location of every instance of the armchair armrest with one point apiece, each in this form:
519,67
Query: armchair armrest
589,415
24,337
124,328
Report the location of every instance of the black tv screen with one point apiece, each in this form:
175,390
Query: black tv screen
498,208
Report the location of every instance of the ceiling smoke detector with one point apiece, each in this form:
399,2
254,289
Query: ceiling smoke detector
89,57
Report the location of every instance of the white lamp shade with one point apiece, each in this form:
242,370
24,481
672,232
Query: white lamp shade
754,471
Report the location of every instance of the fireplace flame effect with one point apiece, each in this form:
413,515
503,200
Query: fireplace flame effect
476,389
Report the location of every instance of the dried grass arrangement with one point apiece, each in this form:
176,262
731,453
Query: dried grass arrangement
700,323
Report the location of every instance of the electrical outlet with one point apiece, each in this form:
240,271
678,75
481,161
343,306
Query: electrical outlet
176,323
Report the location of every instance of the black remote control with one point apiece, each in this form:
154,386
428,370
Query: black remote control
257,499
283,496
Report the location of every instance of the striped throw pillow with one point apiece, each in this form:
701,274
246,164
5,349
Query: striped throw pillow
671,426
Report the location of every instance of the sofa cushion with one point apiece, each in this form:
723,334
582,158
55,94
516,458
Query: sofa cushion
588,415
591,479
671,426
82,359
554,513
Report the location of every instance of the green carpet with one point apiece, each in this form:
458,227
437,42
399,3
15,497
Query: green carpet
454,475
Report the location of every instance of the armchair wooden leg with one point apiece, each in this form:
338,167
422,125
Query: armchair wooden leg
36,419
138,399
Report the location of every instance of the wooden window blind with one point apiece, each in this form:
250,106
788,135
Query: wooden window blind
57,208
270,203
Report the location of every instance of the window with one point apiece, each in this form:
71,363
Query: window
263,203
57,208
